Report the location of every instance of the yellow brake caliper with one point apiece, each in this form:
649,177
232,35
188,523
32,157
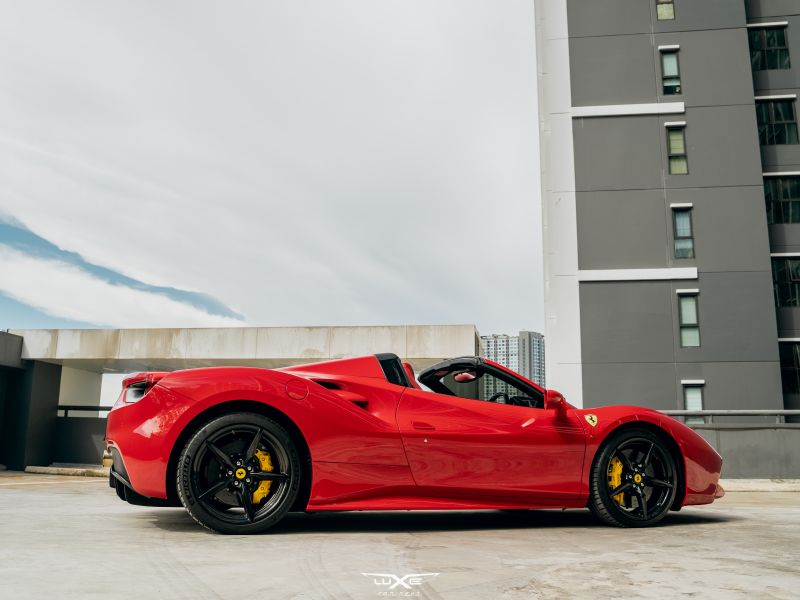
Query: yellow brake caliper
615,478
262,490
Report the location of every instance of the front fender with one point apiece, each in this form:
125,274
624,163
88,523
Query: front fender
701,463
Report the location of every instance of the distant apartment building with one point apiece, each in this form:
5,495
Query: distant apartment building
670,162
523,353
531,356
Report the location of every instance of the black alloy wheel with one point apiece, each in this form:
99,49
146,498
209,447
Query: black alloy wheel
239,473
634,479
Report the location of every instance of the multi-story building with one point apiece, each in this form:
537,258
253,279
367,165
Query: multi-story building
503,349
531,356
671,201
523,353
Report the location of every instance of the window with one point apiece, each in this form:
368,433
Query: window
665,10
689,323
682,230
782,195
790,367
693,400
768,48
786,281
676,150
484,383
777,123
670,72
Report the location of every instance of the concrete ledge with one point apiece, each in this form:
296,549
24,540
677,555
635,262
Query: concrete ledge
76,471
761,485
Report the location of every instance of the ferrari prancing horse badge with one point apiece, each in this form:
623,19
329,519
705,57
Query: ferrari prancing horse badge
591,420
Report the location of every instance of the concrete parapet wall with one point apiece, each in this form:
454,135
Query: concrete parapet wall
756,451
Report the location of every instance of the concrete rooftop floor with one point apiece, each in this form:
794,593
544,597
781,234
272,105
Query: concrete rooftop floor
70,537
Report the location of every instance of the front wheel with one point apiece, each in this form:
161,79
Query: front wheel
634,479
240,473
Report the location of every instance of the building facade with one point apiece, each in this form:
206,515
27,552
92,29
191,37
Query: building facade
531,356
671,201
523,353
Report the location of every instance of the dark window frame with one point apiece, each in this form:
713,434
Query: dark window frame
674,155
675,237
782,207
786,281
775,131
672,89
434,377
762,54
683,326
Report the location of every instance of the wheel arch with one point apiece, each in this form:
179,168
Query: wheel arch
232,406
669,442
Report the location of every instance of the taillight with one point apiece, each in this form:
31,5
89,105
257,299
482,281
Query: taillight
135,386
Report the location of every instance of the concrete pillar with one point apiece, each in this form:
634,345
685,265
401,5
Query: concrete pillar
29,422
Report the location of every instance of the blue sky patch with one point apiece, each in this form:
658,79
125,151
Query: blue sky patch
15,314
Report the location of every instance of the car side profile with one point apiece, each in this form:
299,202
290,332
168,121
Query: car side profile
240,447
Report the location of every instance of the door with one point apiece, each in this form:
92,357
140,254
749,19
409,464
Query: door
505,447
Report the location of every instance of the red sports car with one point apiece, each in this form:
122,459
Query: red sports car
240,447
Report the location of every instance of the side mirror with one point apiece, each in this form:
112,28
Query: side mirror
553,400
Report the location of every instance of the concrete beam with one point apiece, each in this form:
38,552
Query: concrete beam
126,350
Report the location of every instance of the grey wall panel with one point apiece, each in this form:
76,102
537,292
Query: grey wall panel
626,322
705,14
770,8
788,322
737,318
784,238
618,153
646,384
741,385
637,321
712,56
633,229
619,230
609,17
729,385
730,228
781,158
627,70
613,70
722,145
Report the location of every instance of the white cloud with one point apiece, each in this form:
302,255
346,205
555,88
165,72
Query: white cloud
354,162
61,289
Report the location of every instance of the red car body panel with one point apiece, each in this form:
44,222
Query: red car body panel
377,445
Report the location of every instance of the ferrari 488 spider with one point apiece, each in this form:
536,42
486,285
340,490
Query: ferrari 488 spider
240,447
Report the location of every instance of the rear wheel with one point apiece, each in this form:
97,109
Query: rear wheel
634,479
239,473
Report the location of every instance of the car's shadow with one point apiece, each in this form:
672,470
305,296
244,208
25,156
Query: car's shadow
422,521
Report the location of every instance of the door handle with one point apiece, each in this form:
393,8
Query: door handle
422,425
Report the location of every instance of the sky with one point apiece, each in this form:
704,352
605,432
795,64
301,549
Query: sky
180,164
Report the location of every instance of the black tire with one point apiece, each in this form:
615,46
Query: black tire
219,471
646,485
